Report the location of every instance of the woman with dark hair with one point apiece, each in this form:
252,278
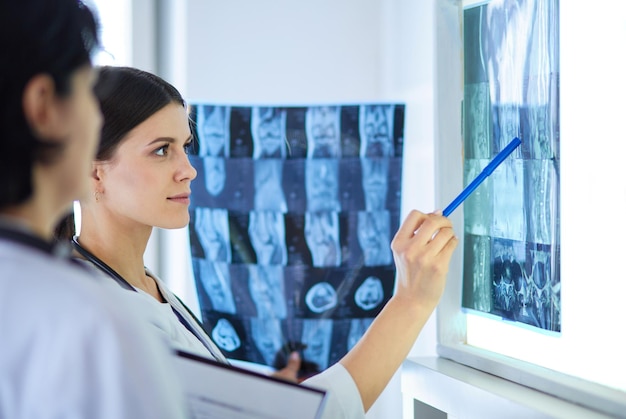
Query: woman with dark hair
141,179
72,347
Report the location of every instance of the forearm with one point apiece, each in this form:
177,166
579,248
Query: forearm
422,249
385,345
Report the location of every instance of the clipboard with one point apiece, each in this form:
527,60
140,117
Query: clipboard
216,390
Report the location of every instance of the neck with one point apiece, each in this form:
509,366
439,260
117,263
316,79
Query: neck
36,218
119,245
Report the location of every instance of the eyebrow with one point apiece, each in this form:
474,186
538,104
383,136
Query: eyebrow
168,140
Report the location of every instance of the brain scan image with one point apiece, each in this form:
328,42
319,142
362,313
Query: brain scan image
321,297
225,336
369,294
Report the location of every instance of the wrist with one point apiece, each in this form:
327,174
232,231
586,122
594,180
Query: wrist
416,309
416,301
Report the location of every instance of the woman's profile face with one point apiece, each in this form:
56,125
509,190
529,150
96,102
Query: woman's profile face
148,179
82,120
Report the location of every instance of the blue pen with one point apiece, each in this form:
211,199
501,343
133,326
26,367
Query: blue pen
482,176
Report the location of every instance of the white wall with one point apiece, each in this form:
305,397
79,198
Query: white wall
283,50
294,52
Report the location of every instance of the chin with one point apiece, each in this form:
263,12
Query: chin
174,223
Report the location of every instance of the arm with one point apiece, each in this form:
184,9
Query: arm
422,249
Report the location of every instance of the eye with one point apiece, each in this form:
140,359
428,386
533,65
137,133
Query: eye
188,147
162,151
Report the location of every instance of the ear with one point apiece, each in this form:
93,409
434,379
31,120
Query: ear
41,107
97,177
96,171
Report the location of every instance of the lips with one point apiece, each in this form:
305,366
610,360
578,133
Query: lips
180,198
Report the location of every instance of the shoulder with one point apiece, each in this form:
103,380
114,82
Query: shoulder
49,293
343,399
46,291
56,315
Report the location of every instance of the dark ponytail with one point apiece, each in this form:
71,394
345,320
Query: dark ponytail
66,229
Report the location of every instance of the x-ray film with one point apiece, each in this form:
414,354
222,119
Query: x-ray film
511,265
292,215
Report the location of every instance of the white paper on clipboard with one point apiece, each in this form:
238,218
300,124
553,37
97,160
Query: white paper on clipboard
215,390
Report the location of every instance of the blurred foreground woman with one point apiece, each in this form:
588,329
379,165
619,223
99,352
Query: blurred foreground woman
71,347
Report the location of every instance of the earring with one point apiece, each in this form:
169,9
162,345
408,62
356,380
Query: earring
96,195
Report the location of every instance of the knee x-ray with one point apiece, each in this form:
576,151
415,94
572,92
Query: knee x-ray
292,216
512,236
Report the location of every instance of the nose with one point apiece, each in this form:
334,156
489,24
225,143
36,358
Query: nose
186,171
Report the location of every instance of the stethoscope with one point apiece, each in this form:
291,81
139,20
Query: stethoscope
100,264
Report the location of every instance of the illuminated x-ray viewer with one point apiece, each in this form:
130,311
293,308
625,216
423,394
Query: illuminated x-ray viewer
516,142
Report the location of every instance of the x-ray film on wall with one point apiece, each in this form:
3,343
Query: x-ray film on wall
511,229
292,216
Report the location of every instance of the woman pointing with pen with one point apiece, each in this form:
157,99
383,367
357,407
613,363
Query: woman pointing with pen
141,179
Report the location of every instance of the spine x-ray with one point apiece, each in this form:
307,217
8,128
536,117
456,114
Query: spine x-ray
511,229
292,216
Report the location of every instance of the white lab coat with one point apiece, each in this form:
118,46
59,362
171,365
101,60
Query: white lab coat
71,346
344,400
